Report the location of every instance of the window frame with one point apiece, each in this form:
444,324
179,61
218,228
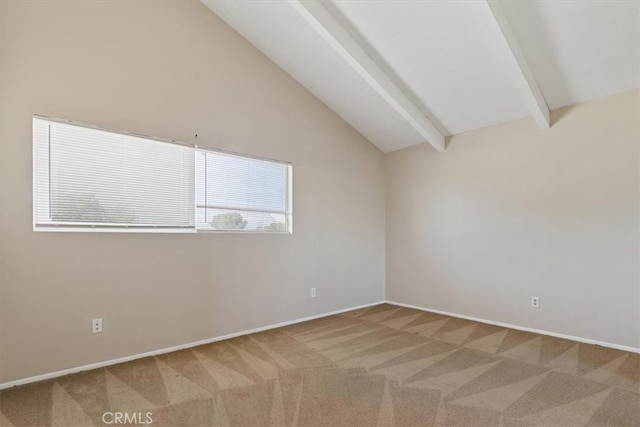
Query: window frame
89,227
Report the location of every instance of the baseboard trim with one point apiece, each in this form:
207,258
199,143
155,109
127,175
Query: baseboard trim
110,362
522,328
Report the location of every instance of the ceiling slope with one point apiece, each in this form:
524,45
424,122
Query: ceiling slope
279,30
405,73
341,41
531,92
578,50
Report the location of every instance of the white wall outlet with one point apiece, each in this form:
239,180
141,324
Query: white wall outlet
313,292
96,326
535,302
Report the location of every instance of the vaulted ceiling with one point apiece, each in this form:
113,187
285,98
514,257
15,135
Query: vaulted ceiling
408,72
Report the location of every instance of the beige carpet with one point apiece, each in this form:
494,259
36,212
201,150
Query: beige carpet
382,366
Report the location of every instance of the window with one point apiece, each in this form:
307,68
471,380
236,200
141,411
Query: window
97,180
241,193
91,178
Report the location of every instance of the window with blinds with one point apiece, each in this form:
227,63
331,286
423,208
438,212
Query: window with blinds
97,180
239,193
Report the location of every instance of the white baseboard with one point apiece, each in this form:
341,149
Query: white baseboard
102,364
523,328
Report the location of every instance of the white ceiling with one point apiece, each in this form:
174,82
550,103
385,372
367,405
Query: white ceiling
407,72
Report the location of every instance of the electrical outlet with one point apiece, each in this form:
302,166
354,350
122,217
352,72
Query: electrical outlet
313,292
535,302
96,326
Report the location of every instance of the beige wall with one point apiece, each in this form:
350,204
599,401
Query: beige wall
509,212
171,69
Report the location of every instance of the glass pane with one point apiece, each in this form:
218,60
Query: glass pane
235,220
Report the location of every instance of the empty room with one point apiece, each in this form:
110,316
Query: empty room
319,213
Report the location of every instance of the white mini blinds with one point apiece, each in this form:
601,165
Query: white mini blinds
241,193
88,177
96,180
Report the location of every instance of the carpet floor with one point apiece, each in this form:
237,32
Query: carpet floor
380,366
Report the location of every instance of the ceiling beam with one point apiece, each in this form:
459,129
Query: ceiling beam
344,44
531,92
